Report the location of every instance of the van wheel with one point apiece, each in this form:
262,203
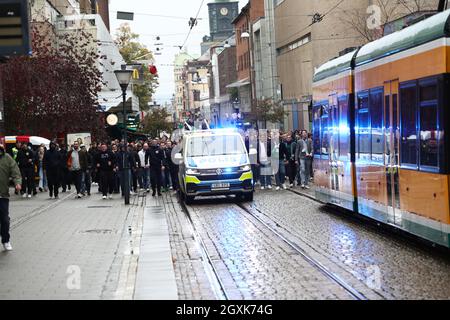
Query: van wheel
248,197
189,200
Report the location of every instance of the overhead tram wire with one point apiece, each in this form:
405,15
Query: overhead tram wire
193,24
317,19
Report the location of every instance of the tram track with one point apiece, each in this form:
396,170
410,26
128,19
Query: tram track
258,222
208,264
313,262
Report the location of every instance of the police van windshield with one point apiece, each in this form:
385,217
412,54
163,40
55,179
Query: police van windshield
215,146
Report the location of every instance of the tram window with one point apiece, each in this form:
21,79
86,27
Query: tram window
316,130
376,121
364,134
429,136
408,103
325,135
363,128
344,128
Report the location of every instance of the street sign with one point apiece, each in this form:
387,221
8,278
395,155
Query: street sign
14,28
125,15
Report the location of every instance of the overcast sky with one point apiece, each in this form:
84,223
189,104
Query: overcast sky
172,30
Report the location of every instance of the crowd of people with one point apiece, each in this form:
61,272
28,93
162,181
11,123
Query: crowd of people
102,164
286,157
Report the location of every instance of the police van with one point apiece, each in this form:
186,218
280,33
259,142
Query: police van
214,162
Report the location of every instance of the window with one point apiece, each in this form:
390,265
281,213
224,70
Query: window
324,131
376,121
316,130
363,128
429,129
408,102
344,128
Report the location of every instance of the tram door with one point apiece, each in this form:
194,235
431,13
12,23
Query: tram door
333,121
392,150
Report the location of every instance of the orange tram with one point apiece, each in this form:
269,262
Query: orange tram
379,118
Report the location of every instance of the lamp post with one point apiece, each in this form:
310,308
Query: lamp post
124,78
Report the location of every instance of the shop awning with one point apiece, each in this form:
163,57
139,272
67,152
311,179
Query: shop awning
239,84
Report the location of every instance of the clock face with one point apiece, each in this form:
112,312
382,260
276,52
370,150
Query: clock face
224,11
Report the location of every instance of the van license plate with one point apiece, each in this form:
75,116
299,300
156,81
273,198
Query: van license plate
221,186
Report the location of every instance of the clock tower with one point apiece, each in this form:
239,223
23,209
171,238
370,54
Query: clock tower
221,15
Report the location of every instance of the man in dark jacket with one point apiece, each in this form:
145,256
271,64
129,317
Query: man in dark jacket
171,167
8,169
64,173
25,158
105,163
122,157
52,168
154,158
291,167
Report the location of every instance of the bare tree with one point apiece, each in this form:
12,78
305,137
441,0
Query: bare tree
370,22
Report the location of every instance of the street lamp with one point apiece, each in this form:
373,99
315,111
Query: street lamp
124,78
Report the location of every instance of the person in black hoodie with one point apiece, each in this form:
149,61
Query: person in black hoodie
52,167
123,156
154,157
25,158
106,165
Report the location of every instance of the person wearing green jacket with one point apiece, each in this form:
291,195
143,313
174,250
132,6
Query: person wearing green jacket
8,169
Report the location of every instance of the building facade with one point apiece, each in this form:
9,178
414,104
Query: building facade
180,92
221,15
245,84
304,44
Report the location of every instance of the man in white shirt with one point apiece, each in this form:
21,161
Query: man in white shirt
144,174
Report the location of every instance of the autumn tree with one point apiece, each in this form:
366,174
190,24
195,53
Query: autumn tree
157,121
133,51
54,91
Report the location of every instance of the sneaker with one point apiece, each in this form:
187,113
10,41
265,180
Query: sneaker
303,186
79,196
171,188
307,187
153,194
291,185
104,197
278,189
29,196
7,246
262,188
110,197
41,190
148,190
284,187
24,195
269,187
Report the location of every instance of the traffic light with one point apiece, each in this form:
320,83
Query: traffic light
14,26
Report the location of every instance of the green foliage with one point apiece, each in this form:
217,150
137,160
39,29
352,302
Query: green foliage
131,50
269,111
156,122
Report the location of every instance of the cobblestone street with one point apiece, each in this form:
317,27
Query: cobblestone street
95,249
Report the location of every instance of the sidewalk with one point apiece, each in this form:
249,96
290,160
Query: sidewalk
80,248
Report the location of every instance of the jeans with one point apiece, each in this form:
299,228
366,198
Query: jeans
107,182
280,176
304,171
86,182
76,178
266,175
4,220
42,178
28,180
